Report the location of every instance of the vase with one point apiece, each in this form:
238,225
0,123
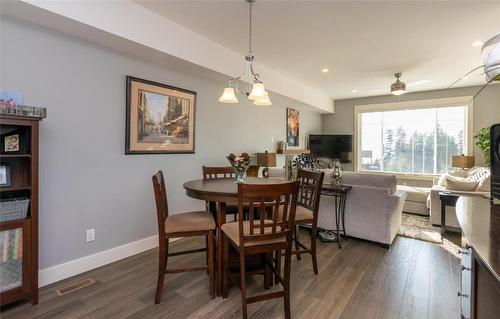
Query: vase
240,176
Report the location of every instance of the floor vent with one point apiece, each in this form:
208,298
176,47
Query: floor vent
74,286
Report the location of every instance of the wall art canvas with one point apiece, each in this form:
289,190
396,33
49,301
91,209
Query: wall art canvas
292,127
160,118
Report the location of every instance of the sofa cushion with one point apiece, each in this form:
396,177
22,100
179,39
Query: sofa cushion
460,184
484,184
415,194
476,173
365,179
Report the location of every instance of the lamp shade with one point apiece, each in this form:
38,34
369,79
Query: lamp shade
228,96
266,159
462,161
263,101
258,91
398,87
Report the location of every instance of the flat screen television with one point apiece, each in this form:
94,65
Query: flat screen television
331,146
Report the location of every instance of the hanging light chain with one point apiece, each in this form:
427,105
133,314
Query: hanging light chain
250,52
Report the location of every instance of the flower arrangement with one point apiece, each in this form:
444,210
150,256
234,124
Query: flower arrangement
240,165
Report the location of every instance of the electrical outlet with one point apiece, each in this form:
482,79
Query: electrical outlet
90,235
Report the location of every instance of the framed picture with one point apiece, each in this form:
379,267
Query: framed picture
4,175
292,127
11,143
160,118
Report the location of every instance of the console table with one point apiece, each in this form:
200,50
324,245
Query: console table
339,194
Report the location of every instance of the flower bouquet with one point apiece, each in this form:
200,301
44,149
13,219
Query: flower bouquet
240,165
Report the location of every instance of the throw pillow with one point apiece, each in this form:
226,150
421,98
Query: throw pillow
484,184
460,184
442,179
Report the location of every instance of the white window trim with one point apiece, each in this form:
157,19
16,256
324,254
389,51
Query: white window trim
408,105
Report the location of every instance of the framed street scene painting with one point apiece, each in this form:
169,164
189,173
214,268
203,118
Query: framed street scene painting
160,118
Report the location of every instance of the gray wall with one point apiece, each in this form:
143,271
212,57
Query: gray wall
86,181
486,108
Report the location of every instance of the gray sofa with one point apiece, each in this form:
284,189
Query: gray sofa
373,207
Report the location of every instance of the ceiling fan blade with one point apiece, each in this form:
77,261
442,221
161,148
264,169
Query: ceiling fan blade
417,83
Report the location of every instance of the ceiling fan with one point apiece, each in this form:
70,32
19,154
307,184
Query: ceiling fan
399,87
491,66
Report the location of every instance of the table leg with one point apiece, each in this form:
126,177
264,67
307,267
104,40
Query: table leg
443,218
344,198
337,219
221,219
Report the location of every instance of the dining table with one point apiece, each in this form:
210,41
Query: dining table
222,191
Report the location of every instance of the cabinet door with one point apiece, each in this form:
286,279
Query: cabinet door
14,257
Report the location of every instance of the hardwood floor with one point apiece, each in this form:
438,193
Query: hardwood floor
414,279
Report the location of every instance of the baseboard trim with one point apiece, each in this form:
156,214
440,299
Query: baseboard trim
75,267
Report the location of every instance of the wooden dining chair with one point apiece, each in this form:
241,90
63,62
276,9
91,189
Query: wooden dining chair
181,225
262,236
215,172
309,195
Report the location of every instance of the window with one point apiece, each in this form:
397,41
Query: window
409,138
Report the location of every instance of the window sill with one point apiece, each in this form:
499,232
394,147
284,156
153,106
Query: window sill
422,177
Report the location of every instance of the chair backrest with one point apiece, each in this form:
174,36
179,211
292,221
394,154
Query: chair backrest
310,184
161,201
277,202
253,171
218,172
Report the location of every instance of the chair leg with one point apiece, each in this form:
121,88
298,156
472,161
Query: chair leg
162,267
267,271
207,253
296,241
278,265
211,270
225,272
286,280
313,249
243,285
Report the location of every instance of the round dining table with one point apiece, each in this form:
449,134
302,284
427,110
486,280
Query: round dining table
222,191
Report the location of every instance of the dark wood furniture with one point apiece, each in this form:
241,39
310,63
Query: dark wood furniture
253,171
221,191
270,233
447,199
181,225
480,270
310,184
218,172
24,183
339,194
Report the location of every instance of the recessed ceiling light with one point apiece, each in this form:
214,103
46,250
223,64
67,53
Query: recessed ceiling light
477,43
325,70
354,91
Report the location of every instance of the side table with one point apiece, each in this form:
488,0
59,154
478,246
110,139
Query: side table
447,199
339,194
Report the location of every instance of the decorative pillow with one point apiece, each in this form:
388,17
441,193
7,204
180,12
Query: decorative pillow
442,179
460,184
484,184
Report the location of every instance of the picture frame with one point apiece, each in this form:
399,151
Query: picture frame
11,143
292,128
160,119
4,175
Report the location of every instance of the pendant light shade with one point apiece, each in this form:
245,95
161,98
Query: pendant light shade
263,101
228,96
398,87
258,91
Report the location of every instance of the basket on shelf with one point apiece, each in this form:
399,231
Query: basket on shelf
12,209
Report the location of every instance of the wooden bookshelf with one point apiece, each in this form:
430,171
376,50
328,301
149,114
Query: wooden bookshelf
19,258
293,152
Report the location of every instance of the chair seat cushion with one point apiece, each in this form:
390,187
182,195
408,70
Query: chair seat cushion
186,222
302,214
232,231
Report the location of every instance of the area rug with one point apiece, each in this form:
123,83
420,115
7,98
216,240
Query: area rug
419,227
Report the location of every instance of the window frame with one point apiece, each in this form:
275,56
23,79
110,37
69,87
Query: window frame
411,105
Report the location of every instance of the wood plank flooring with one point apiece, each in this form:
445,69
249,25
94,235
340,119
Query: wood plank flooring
413,279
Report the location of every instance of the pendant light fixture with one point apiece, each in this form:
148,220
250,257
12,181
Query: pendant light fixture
398,87
258,93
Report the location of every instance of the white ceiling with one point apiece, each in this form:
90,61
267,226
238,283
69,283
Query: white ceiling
361,43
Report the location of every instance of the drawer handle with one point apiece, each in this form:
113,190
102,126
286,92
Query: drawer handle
464,268
467,246
460,251
461,295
